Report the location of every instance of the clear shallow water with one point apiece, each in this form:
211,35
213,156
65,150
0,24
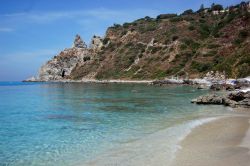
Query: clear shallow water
68,124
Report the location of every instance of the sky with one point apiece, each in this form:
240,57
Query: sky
33,31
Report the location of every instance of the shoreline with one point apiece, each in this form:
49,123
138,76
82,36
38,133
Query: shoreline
97,81
150,150
222,142
202,83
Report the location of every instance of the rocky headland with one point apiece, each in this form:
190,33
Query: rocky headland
204,48
184,47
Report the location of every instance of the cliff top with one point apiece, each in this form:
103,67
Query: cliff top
79,43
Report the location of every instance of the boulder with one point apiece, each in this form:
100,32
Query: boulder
235,99
216,87
236,96
96,43
210,99
244,103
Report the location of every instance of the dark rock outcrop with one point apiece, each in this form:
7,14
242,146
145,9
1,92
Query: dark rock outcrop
235,99
209,99
237,96
228,87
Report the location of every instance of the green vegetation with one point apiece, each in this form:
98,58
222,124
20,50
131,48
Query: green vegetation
204,30
126,25
191,28
216,7
165,16
243,34
116,26
201,67
188,12
106,40
176,19
201,43
191,44
183,46
150,26
211,46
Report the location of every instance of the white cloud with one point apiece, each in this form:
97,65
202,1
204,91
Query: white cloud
3,29
29,55
100,14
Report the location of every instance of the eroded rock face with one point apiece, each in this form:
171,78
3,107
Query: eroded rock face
79,43
96,43
60,66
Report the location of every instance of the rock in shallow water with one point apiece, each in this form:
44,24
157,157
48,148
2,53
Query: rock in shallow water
209,99
235,99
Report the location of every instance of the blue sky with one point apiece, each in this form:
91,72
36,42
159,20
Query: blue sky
33,31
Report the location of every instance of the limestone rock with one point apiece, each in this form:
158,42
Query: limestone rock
236,96
210,99
96,43
235,99
31,79
244,103
60,66
215,76
79,43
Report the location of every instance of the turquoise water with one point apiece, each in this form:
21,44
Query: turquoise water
67,124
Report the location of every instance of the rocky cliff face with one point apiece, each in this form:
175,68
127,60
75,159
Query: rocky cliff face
186,45
60,66
96,43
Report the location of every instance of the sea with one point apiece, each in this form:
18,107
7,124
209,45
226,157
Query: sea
68,124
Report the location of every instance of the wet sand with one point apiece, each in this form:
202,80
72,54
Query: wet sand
223,142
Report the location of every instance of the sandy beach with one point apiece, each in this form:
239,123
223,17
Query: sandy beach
223,142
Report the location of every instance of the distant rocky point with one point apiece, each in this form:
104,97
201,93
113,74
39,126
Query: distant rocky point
61,66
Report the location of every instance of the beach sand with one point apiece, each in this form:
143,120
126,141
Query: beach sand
223,142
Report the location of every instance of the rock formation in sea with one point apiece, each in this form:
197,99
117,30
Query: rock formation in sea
234,99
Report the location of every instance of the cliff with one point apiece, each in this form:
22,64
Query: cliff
186,45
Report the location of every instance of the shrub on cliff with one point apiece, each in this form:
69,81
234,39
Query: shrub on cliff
191,28
106,40
165,16
243,34
176,19
216,7
204,30
86,58
201,67
187,12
